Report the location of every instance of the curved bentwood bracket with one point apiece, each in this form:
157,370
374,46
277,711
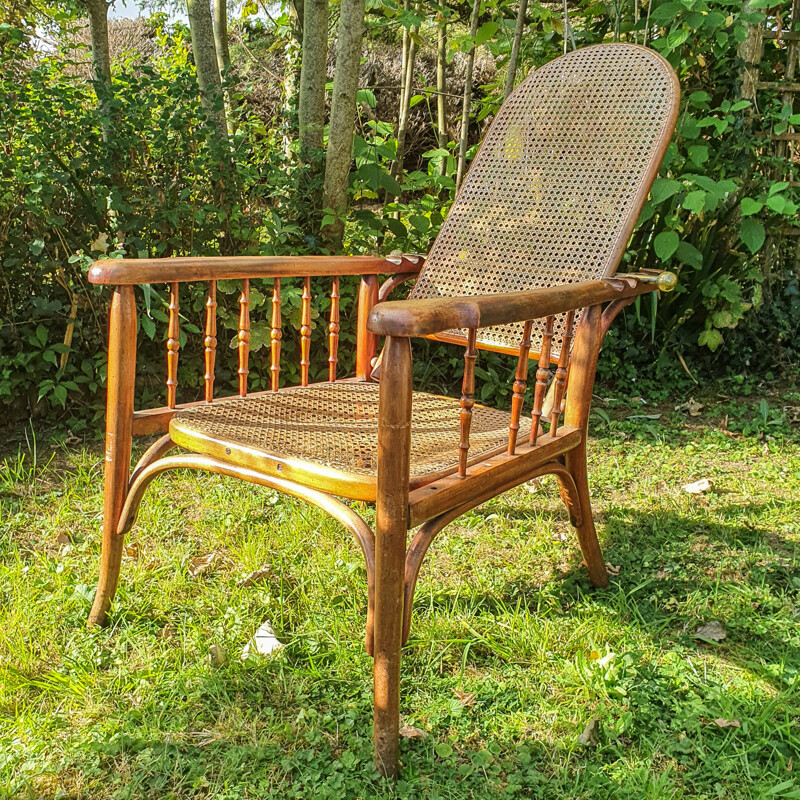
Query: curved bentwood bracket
155,462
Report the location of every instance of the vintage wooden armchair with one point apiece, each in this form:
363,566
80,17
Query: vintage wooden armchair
523,265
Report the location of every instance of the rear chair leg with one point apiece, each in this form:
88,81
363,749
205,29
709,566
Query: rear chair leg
575,461
119,419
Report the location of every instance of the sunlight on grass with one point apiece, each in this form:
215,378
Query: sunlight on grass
511,652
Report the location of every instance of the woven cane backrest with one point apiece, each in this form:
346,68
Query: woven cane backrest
559,181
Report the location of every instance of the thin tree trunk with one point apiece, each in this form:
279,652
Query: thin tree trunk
405,100
441,88
342,122
223,52
404,54
101,60
311,109
205,61
515,45
462,148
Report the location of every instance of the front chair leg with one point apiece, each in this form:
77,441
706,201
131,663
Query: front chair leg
119,419
394,442
575,461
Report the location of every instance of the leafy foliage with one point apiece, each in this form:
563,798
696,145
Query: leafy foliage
157,184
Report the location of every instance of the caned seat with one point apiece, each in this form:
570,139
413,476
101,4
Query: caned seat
331,429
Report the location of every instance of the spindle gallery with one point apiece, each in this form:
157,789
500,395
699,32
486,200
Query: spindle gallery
537,290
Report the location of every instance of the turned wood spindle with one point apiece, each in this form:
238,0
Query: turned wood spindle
305,331
333,331
520,385
561,373
173,345
244,336
542,376
275,335
467,400
210,340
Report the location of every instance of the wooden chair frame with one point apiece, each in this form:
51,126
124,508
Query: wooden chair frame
392,563
429,499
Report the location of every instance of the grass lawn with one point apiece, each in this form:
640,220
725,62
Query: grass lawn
511,655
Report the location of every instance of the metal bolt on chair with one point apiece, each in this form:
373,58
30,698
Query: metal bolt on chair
525,264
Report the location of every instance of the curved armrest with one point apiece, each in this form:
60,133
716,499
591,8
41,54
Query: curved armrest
132,271
434,315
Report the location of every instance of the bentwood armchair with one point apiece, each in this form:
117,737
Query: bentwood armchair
525,264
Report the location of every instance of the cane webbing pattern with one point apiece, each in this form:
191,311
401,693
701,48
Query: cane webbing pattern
558,181
336,425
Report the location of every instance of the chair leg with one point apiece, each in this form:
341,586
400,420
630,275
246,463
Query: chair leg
391,529
119,418
575,461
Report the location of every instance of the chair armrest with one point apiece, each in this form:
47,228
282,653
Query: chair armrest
133,271
434,315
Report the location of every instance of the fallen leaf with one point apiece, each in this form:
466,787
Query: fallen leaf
199,566
692,406
713,631
410,732
594,655
590,733
63,539
465,698
256,576
263,643
131,552
612,570
698,487
216,655
721,722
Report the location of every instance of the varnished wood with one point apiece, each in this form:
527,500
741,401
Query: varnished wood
210,340
542,377
560,379
583,365
467,401
133,271
156,450
275,335
392,282
520,387
305,331
394,444
121,375
244,336
486,476
173,345
333,331
366,341
434,315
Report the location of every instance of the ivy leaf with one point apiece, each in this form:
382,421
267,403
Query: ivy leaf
689,254
485,32
695,201
664,188
777,203
752,233
750,206
698,154
778,186
665,244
